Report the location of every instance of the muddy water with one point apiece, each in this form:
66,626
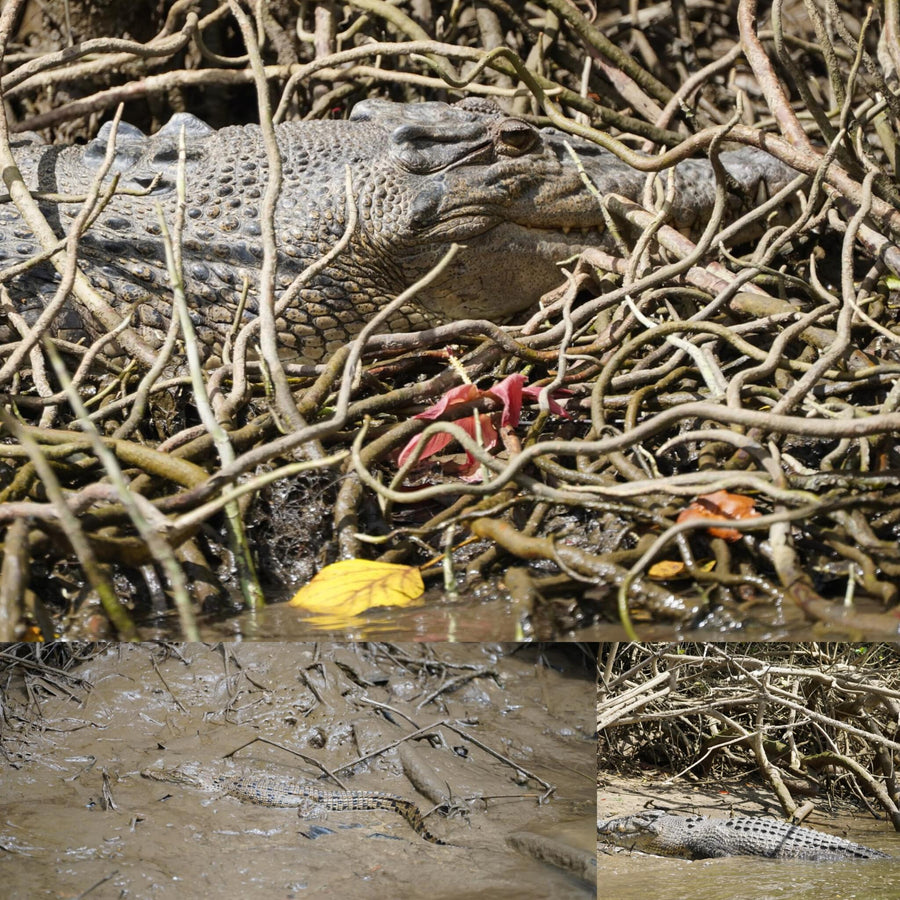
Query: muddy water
520,718
742,878
487,617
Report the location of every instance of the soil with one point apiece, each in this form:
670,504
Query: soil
79,820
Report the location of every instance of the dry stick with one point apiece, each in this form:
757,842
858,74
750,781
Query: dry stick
187,522
857,44
810,102
792,577
805,384
359,342
802,387
548,788
769,772
399,19
425,729
284,401
156,544
70,248
309,759
768,81
594,37
247,578
827,49
13,579
679,98
390,76
285,444
181,471
453,683
627,349
147,86
782,698
227,407
128,51
116,613
91,301
827,758
160,676
874,424
149,383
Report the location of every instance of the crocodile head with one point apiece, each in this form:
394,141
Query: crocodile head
513,195
640,831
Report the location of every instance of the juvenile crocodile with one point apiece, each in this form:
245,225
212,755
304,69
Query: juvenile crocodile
698,837
267,789
424,175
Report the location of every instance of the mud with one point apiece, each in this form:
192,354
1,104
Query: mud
473,734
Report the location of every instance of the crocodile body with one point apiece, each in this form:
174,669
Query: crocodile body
423,176
699,837
267,789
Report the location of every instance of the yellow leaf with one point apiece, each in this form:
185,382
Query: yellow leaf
668,569
352,586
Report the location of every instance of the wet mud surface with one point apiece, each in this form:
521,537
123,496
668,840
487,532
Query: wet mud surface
489,616
473,734
628,876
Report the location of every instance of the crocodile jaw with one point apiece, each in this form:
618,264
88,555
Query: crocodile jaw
505,271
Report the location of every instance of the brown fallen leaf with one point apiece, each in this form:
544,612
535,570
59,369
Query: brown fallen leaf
352,586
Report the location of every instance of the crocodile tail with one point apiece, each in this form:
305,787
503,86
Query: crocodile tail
411,813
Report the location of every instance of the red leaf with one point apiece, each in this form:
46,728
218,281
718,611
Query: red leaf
509,393
533,391
460,394
437,442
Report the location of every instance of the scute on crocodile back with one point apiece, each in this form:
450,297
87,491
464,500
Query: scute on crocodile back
423,177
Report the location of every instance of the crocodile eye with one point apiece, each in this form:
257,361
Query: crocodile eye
515,137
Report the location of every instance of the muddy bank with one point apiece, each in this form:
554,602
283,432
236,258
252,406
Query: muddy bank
487,742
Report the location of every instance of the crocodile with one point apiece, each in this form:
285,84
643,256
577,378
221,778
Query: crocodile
422,177
285,791
662,833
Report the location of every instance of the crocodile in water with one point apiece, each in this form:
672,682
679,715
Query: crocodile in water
267,789
698,837
424,175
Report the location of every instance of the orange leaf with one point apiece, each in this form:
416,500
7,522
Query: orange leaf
735,506
352,586
720,506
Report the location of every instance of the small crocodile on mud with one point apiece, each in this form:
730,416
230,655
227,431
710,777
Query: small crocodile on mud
424,176
698,837
267,789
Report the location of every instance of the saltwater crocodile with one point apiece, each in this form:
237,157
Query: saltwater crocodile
698,837
271,789
424,175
